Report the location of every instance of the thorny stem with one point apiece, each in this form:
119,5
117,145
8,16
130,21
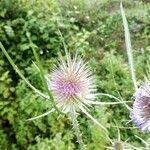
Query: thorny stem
20,74
33,46
75,124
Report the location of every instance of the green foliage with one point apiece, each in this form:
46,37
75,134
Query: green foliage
99,139
57,143
94,28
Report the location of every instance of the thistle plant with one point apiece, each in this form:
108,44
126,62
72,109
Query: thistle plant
70,86
140,113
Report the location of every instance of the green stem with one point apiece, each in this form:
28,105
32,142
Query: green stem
33,46
19,72
128,46
63,41
76,129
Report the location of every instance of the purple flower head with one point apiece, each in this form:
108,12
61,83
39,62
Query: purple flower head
71,83
140,113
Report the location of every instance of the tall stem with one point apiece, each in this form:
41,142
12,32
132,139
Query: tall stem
75,124
128,46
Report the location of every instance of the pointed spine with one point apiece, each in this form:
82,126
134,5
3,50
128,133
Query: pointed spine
75,124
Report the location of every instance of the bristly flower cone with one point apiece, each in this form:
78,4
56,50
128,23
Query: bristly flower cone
71,83
140,113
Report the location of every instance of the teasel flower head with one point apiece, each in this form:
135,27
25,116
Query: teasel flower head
70,87
140,113
73,89
71,83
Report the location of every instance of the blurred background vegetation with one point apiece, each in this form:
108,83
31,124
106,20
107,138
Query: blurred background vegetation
95,29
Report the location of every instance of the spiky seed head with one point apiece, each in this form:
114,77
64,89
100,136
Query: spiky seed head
118,145
71,83
140,113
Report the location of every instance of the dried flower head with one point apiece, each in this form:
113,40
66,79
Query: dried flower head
71,83
140,113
